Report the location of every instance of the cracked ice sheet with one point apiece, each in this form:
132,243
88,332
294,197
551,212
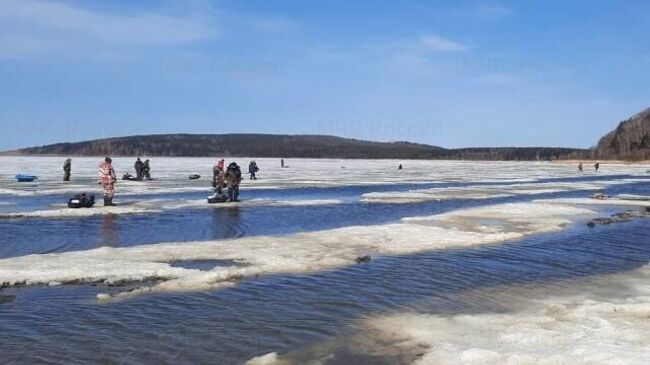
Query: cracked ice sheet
485,192
298,253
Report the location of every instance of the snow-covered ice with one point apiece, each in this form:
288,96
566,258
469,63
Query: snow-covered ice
583,328
486,191
599,320
170,174
157,206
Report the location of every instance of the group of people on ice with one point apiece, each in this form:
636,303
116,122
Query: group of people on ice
142,169
230,178
222,178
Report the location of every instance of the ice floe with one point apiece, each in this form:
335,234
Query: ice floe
486,191
574,329
296,253
157,206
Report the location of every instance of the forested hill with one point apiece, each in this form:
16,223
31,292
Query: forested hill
266,145
629,141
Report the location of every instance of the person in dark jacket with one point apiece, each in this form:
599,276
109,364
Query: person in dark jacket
253,169
580,167
67,168
146,170
233,178
138,165
596,166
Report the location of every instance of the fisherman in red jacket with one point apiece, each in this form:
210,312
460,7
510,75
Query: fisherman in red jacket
107,180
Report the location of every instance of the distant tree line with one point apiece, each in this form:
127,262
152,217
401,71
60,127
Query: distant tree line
307,146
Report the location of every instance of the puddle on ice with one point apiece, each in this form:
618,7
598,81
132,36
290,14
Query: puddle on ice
204,265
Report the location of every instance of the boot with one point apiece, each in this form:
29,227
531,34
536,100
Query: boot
108,201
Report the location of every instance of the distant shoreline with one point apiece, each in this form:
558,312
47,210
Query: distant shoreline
604,161
558,161
288,146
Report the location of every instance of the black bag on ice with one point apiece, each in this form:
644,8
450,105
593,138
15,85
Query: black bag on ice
82,200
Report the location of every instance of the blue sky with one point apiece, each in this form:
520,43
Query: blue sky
449,73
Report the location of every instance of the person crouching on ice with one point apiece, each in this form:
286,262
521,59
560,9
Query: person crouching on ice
218,177
233,178
107,180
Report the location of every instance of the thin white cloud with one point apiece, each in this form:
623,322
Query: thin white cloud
271,24
436,43
493,10
30,26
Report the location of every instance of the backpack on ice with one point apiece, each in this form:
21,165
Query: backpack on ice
82,201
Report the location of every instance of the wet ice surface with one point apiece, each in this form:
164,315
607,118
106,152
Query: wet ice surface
277,273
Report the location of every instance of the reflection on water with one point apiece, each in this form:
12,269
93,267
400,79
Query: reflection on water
108,234
227,222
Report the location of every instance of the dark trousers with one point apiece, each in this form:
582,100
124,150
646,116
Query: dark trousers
233,193
66,176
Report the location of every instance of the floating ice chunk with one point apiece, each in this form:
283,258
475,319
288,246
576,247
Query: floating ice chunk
268,359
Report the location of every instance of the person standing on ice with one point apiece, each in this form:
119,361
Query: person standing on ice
253,169
138,165
233,178
218,177
146,170
107,180
67,167
580,167
596,166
